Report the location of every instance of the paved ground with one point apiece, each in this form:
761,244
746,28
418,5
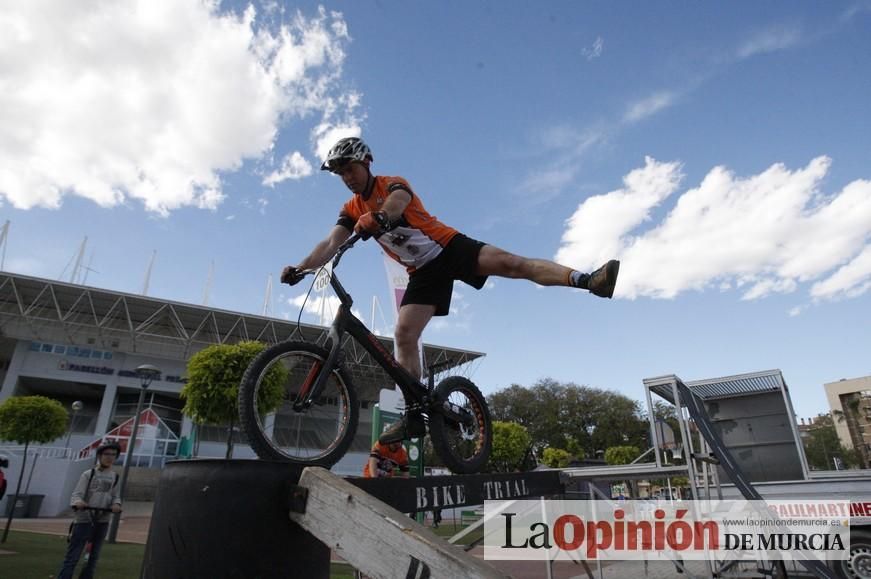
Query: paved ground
137,517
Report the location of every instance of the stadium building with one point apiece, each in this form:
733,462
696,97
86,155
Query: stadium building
76,343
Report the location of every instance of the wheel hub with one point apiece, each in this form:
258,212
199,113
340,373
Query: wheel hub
859,563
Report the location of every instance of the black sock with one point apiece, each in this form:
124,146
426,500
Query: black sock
580,280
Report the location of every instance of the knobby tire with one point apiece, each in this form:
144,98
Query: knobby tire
339,392
459,452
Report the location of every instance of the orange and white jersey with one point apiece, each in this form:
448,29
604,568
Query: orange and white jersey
417,239
388,461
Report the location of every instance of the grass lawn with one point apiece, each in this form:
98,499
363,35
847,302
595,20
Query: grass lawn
39,556
447,530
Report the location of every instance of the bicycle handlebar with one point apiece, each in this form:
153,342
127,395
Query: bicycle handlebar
99,509
348,244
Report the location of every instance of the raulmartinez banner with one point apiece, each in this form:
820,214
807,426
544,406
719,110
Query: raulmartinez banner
639,529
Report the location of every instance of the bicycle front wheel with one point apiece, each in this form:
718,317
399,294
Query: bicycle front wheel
276,427
464,448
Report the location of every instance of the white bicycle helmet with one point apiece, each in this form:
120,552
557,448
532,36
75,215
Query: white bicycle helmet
346,150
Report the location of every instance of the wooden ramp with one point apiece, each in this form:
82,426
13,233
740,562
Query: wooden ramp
374,537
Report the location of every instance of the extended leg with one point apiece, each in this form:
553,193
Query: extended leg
495,261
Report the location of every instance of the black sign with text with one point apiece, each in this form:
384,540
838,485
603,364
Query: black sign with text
427,493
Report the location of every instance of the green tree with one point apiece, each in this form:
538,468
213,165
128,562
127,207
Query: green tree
822,446
556,457
570,416
621,454
212,391
576,450
511,442
26,419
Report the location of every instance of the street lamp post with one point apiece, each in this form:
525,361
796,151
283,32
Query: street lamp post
146,373
76,406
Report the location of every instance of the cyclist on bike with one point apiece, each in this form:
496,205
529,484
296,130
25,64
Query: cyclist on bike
434,254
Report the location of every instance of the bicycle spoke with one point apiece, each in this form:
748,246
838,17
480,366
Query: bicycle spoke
315,430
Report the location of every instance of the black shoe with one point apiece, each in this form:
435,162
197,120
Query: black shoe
603,280
406,428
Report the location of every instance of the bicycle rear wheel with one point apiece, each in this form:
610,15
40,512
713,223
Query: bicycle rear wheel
319,434
464,449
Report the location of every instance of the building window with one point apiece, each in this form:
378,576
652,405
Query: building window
58,349
166,406
34,346
46,348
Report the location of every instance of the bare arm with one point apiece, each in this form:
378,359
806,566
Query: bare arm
324,250
373,221
373,467
396,204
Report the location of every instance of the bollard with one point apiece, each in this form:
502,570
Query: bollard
229,519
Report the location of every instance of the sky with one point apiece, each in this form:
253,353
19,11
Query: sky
721,151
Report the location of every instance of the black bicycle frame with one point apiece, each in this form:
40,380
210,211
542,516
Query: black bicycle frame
347,323
415,392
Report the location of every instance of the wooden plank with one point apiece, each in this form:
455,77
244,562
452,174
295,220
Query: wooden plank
377,539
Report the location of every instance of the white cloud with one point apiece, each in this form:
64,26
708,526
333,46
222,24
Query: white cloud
294,166
649,106
594,51
761,234
459,318
326,306
571,147
770,40
152,101
322,306
861,7
326,134
796,311
850,280
596,231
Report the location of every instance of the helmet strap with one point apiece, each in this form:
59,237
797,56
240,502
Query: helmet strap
370,184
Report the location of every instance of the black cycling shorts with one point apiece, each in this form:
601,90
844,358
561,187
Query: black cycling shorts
433,284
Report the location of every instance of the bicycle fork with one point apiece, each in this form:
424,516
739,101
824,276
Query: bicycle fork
318,374
447,408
